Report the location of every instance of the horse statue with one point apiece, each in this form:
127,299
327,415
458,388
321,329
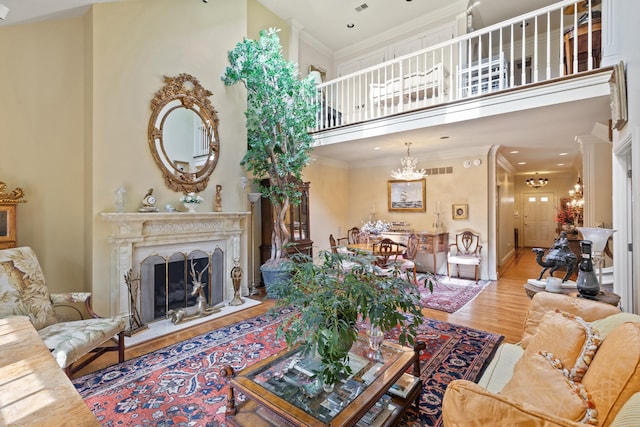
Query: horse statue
559,256
199,309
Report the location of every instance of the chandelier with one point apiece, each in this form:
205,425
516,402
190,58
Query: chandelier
408,171
577,199
537,182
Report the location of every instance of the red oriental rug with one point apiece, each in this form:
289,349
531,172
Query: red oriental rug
181,385
449,294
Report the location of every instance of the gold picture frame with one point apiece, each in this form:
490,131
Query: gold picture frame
407,196
322,71
460,211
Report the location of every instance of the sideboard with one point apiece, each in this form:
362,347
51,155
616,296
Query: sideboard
430,245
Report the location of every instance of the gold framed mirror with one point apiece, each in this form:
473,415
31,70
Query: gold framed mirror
183,133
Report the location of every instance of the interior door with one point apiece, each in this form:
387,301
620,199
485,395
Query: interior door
539,219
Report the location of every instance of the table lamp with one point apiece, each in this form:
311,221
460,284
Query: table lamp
599,238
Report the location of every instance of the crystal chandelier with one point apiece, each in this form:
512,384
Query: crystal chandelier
537,182
408,171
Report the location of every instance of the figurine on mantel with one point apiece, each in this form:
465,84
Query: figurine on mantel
218,207
148,202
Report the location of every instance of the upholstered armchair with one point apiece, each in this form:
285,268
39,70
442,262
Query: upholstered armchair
23,292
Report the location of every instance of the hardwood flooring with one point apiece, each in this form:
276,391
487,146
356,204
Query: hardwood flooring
499,308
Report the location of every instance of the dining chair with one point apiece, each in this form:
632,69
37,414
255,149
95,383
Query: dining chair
466,250
408,258
353,234
346,264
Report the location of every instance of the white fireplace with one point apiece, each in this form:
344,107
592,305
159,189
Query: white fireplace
138,237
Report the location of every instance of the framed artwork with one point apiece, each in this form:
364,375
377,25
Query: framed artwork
407,196
460,211
181,166
7,223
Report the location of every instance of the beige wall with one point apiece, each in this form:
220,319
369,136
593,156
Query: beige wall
328,201
132,50
42,142
260,18
73,121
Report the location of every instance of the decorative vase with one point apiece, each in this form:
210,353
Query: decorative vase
376,336
191,207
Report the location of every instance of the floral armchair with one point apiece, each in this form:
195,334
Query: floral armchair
23,293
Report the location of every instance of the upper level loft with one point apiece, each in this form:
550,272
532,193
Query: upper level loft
545,45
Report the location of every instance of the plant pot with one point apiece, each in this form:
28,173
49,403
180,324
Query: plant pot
273,275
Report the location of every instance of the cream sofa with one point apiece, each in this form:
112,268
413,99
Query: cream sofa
578,364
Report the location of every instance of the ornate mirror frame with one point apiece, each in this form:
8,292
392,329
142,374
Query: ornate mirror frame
184,91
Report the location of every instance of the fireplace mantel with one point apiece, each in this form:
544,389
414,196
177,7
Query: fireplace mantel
135,235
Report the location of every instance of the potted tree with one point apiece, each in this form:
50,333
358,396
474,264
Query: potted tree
279,114
335,294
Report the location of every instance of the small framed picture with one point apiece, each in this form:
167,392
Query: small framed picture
460,211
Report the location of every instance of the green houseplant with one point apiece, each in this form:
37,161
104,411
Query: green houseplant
332,295
279,114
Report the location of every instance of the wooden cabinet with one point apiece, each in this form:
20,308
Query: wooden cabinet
297,221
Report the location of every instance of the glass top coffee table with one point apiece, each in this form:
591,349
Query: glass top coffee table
285,389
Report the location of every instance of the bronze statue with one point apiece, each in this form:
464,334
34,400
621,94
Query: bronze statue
199,309
559,256
236,277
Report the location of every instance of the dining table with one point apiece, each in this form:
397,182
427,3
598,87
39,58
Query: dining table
372,249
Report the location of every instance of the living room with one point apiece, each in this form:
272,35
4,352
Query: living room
84,84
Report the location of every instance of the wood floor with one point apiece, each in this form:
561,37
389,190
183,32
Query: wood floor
500,308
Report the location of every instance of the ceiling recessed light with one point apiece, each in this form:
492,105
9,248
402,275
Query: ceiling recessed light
522,163
514,152
376,148
351,25
560,164
564,154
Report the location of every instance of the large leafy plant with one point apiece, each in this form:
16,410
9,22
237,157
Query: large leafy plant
279,114
332,295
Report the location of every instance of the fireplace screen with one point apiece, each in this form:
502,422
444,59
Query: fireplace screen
167,283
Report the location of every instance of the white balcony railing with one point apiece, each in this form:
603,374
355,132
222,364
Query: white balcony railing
531,48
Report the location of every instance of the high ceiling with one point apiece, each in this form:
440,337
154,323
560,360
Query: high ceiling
539,135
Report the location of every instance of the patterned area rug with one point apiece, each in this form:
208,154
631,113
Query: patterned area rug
449,294
182,385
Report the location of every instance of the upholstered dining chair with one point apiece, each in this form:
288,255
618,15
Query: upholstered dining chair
408,260
23,293
465,251
346,264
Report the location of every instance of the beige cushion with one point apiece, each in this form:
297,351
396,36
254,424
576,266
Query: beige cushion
543,302
614,374
609,323
22,287
569,338
537,382
500,368
68,341
629,415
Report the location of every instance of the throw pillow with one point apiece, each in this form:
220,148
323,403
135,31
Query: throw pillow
569,338
468,404
614,374
544,302
539,381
